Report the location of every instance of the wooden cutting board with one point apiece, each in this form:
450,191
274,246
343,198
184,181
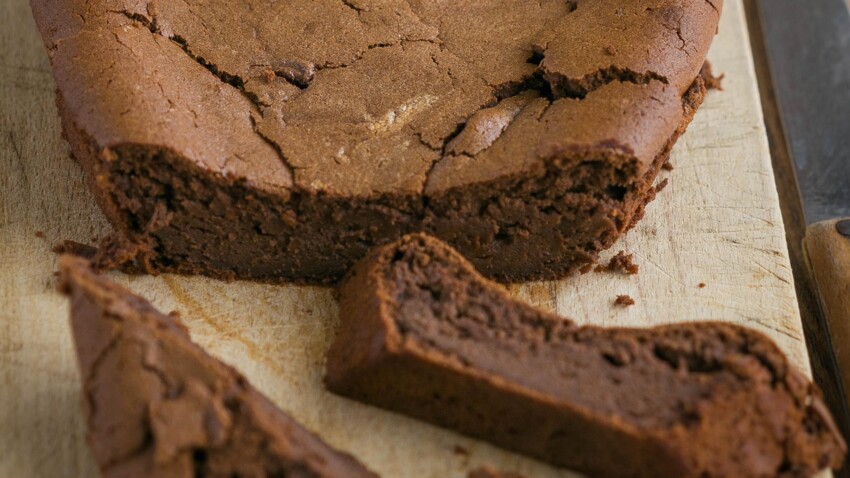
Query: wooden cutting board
718,223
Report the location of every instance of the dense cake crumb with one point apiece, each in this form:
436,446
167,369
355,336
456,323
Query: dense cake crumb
113,252
423,333
624,300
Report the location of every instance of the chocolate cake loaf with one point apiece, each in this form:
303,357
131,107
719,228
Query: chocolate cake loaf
283,140
157,405
422,333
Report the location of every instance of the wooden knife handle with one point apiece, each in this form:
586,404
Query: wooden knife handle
827,246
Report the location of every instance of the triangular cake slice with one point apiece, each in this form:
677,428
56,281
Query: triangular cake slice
422,333
157,405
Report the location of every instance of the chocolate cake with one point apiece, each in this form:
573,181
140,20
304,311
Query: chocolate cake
157,405
283,140
422,333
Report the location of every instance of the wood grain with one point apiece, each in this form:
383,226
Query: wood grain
717,223
815,327
828,257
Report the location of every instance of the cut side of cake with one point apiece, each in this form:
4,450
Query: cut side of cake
424,334
281,141
157,405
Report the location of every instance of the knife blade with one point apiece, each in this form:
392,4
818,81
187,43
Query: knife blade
808,48
808,53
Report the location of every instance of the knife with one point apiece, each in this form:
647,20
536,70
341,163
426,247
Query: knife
808,51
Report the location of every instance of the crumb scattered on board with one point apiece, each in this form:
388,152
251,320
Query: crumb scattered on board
75,249
624,300
668,166
39,234
622,263
490,472
459,450
701,285
713,82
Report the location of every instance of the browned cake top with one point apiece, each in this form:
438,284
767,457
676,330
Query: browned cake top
358,98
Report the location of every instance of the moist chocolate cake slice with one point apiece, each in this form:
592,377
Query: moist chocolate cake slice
157,405
283,140
422,333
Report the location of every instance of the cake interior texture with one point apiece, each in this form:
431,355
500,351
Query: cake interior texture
424,334
280,141
157,405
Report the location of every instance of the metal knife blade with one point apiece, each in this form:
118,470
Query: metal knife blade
808,49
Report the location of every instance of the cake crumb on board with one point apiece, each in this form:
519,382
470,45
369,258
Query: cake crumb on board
490,472
460,450
624,300
75,248
622,263
712,82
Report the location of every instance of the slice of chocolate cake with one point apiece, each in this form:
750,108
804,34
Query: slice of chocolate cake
424,334
157,405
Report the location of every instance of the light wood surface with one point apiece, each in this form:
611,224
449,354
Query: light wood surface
717,223
828,256
818,338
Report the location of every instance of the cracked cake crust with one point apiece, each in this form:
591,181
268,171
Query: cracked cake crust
280,141
157,405
422,333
